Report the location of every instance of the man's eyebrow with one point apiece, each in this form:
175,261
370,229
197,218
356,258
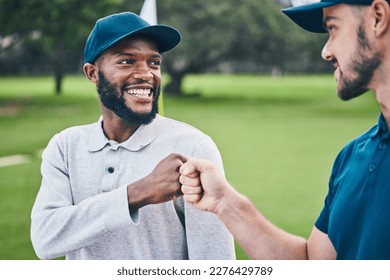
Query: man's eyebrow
157,55
326,19
124,54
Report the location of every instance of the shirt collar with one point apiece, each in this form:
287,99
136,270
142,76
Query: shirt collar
381,129
141,138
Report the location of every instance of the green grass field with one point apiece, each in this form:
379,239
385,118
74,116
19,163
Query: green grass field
278,138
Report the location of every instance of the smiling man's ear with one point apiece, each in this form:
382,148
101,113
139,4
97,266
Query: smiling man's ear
381,13
91,72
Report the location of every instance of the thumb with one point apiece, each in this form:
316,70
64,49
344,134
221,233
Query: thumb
195,165
188,168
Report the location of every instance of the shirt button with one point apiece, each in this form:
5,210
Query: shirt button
111,170
372,167
382,146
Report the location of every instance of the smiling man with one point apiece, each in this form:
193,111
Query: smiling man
110,189
353,223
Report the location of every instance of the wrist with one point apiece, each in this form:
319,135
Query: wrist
231,203
137,194
226,201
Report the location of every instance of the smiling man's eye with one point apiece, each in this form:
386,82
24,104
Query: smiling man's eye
126,61
155,63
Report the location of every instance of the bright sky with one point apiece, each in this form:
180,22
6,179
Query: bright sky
303,2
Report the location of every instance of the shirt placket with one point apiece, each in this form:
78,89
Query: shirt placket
111,169
379,153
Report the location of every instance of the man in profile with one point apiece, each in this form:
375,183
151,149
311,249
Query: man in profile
353,223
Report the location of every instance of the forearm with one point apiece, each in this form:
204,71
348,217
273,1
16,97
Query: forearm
138,195
57,227
161,185
258,237
152,190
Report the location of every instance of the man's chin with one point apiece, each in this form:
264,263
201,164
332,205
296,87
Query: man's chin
346,95
140,118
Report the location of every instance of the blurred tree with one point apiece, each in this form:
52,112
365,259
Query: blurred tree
226,36
218,36
60,26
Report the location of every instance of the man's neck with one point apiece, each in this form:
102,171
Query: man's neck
383,99
117,129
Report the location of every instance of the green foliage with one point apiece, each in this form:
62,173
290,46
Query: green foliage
277,136
61,19
223,36
59,27
218,36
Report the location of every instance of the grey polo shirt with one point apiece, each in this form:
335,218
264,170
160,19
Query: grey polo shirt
81,210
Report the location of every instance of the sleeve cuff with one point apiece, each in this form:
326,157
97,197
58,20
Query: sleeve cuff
117,209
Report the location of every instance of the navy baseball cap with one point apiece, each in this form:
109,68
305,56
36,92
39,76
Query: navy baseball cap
111,29
310,16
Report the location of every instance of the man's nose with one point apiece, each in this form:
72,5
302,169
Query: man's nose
326,53
143,73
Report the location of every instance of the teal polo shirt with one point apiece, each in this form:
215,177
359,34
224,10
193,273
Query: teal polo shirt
356,214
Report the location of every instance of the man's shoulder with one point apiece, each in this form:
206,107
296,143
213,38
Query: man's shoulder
186,139
83,129
77,132
75,138
353,145
179,127
364,137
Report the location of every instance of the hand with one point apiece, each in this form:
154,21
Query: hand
203,184
161,185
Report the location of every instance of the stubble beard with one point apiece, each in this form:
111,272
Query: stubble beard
363,66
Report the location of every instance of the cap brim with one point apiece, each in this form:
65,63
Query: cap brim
165,36
309,17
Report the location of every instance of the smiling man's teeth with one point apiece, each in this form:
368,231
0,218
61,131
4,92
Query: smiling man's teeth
140,92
